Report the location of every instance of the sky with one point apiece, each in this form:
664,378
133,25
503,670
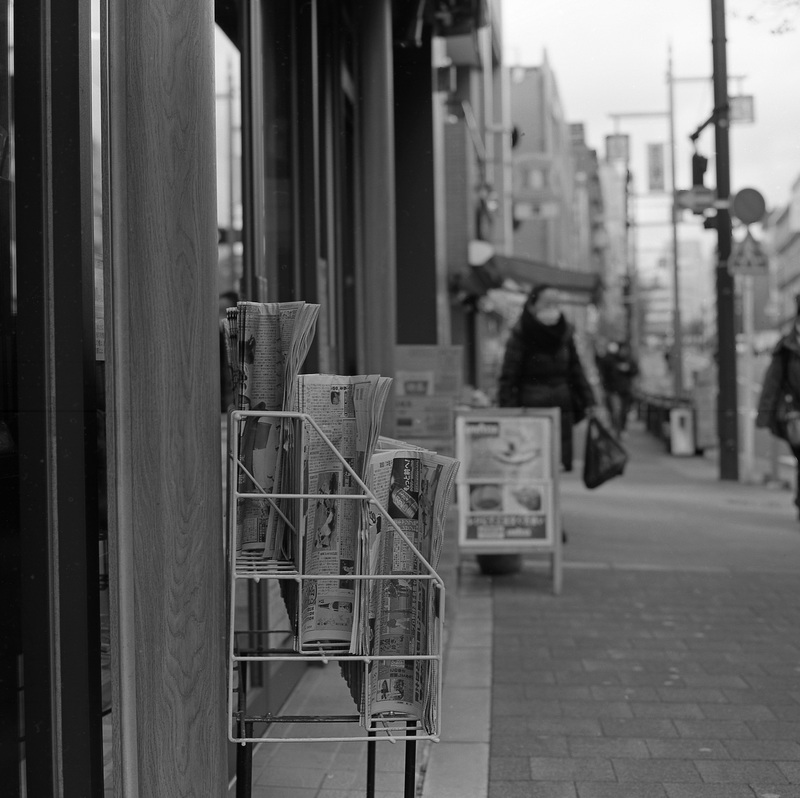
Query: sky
611,57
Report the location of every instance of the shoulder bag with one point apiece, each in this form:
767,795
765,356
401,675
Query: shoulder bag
604,457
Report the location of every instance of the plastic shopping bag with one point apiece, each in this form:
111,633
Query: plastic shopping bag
604,457
787,413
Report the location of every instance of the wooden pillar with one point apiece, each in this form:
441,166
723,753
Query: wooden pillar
165,516
379,273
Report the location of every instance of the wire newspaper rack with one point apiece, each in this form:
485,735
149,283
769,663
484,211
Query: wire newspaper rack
252,645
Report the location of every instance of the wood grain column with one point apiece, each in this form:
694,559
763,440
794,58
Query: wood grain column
165,514
378,276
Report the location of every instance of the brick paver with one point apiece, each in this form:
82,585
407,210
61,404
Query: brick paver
681,723
662,670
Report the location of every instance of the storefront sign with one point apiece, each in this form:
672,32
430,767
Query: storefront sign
427,384
655,167
742,108
427,370
617,147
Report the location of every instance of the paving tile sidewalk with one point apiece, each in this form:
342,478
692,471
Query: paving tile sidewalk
637,683
670,664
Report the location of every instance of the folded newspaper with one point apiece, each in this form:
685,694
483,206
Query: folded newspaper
266,344
399,612
348,410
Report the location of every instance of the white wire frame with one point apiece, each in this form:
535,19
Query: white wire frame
250,565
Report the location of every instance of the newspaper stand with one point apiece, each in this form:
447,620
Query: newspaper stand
507,487
252,645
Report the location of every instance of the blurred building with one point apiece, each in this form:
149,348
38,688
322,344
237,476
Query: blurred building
590,208
657,307
613,174
545,214
696,288
476,138
782,230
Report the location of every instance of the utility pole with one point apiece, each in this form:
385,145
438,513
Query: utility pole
727,396
676,361
630,285
630,276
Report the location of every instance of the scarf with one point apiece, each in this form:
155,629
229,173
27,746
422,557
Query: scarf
547,337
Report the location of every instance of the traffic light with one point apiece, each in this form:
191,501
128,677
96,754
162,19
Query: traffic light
699,166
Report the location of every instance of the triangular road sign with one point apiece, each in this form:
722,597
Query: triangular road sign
747,257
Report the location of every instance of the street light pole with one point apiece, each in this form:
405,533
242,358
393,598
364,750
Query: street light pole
727,397
676,361
630,276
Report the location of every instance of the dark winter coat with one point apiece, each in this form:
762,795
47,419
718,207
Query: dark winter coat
541,368
617,373
782,377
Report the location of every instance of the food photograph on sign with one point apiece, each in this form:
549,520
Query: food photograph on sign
514,448
505,498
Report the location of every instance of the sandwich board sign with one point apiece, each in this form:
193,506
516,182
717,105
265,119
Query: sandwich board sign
507,486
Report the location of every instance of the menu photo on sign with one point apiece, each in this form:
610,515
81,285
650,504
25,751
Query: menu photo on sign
507,497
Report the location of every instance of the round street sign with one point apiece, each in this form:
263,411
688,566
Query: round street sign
749,206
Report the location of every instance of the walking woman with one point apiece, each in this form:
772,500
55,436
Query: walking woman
541,367
779,405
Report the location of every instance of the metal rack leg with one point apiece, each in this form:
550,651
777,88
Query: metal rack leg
244,766
371,765
411,762
244,752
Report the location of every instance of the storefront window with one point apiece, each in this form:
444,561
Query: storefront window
52,528
10,718
255,196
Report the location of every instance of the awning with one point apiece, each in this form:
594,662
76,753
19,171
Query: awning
532,272
475,281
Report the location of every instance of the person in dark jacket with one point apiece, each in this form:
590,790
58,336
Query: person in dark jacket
780,392
226,397
618,370
541,367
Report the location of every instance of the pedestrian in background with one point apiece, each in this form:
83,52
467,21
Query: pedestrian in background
226,397
618,370
779,404
541,366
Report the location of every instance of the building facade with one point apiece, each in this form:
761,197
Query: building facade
783,242
546,226
617,275
110,443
